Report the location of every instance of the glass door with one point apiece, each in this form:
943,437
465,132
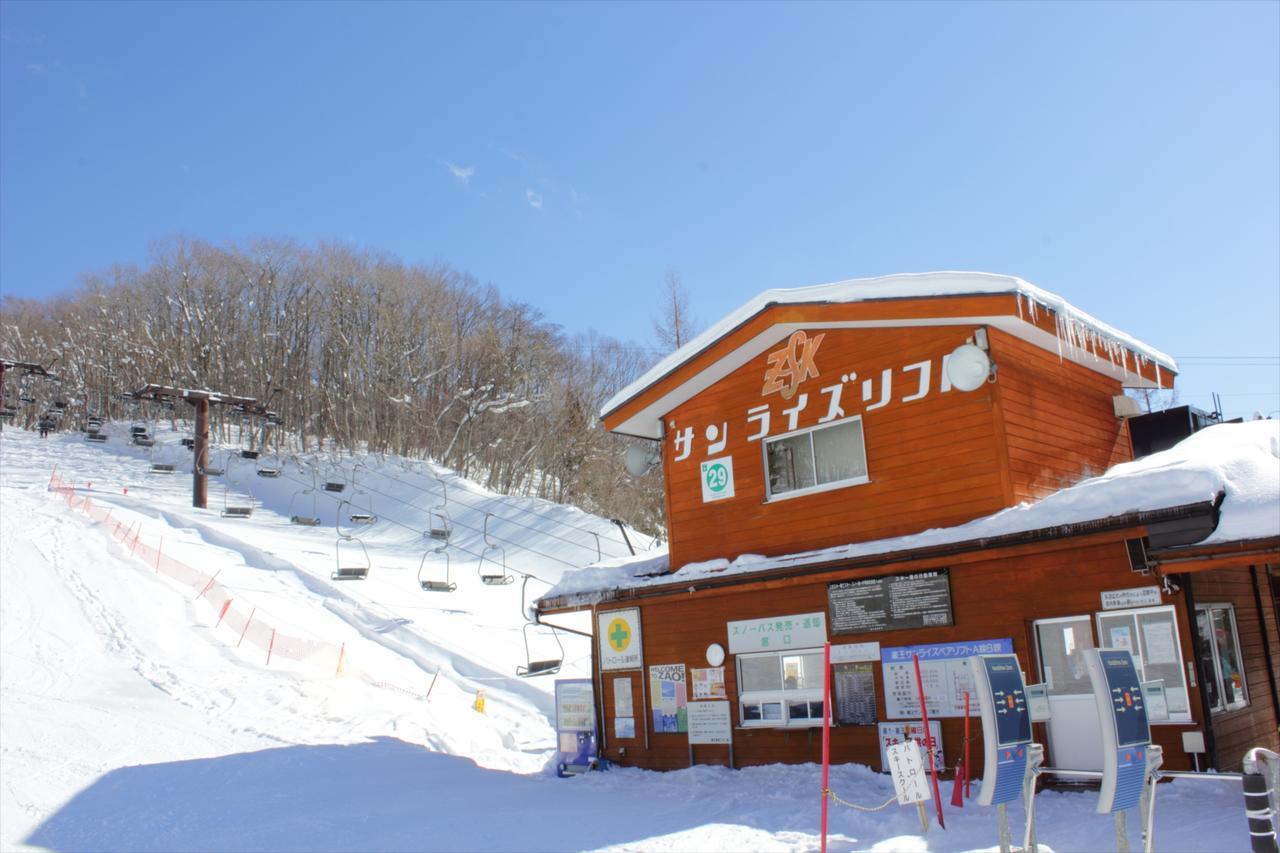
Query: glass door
1075,740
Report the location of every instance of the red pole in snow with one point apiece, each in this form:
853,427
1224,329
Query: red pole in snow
271,646
247,623
968,769
928,742
826,738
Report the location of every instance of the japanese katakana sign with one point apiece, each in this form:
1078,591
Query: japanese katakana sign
944,669
778,633
619,637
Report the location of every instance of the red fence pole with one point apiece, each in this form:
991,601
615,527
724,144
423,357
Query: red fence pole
247,623
968,769
226,605
928,742
342,652
826,738
271,646
209,585
158,550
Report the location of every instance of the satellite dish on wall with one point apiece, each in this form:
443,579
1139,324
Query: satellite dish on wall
638,460
968,367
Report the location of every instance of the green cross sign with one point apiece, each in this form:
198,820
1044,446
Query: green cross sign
618,634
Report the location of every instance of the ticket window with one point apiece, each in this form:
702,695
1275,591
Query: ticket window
1074,739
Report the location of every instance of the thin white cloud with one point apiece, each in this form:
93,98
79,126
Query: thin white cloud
462,173
535,200
36,67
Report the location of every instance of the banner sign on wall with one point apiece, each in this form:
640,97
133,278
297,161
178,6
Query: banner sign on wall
890,603
667,693
620,643
801,631
944,669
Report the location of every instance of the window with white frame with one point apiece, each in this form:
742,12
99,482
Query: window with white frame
780,688
1151,635
1218,647
822,457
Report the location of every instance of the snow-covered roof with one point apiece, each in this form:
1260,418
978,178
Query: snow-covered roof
1080,337
1240,460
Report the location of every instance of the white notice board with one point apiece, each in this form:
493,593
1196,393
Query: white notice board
944,669
709,722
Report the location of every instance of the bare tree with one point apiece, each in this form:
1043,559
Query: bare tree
674,326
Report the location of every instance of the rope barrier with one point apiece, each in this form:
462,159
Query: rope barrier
834,798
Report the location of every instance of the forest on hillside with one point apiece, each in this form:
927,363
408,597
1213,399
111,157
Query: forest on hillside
356,351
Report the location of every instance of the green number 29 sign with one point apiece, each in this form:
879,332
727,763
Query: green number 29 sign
717,479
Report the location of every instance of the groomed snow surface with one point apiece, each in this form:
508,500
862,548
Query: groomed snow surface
130,720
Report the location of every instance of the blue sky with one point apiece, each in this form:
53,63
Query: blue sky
1124,156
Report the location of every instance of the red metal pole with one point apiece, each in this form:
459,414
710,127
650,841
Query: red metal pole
968,770
826,737
928,742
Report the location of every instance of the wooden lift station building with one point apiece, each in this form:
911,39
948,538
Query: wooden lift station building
832,475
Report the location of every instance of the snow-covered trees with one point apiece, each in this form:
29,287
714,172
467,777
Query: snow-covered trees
356,350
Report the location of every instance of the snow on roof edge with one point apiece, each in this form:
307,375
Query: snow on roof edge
1241,459
1073,324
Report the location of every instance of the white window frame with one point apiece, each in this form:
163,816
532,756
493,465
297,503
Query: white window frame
783,696
1223,707
823,487
1140,657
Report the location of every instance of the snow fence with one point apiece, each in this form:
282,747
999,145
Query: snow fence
250,626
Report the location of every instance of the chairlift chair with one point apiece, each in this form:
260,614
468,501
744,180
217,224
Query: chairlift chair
161,467
268,471
358,515
143,440
210,472
445,585
312,520
249,454
351,571
95,436
496,556
548,666
230,510
335,486
439,525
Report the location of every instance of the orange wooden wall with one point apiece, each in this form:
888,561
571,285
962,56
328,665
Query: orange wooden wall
937,461
1065,581
1058,420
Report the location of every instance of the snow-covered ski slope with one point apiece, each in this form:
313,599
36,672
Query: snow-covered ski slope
132,719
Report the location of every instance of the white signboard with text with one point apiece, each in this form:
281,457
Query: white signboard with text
1123,599
709,722
800,631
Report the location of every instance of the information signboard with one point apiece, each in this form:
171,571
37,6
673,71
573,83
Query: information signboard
944,669
854,686
890,603
709,722
777,633
910,730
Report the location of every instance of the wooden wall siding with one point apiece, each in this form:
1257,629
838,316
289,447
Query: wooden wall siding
1063,582
1058,422
1236,732
932,462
